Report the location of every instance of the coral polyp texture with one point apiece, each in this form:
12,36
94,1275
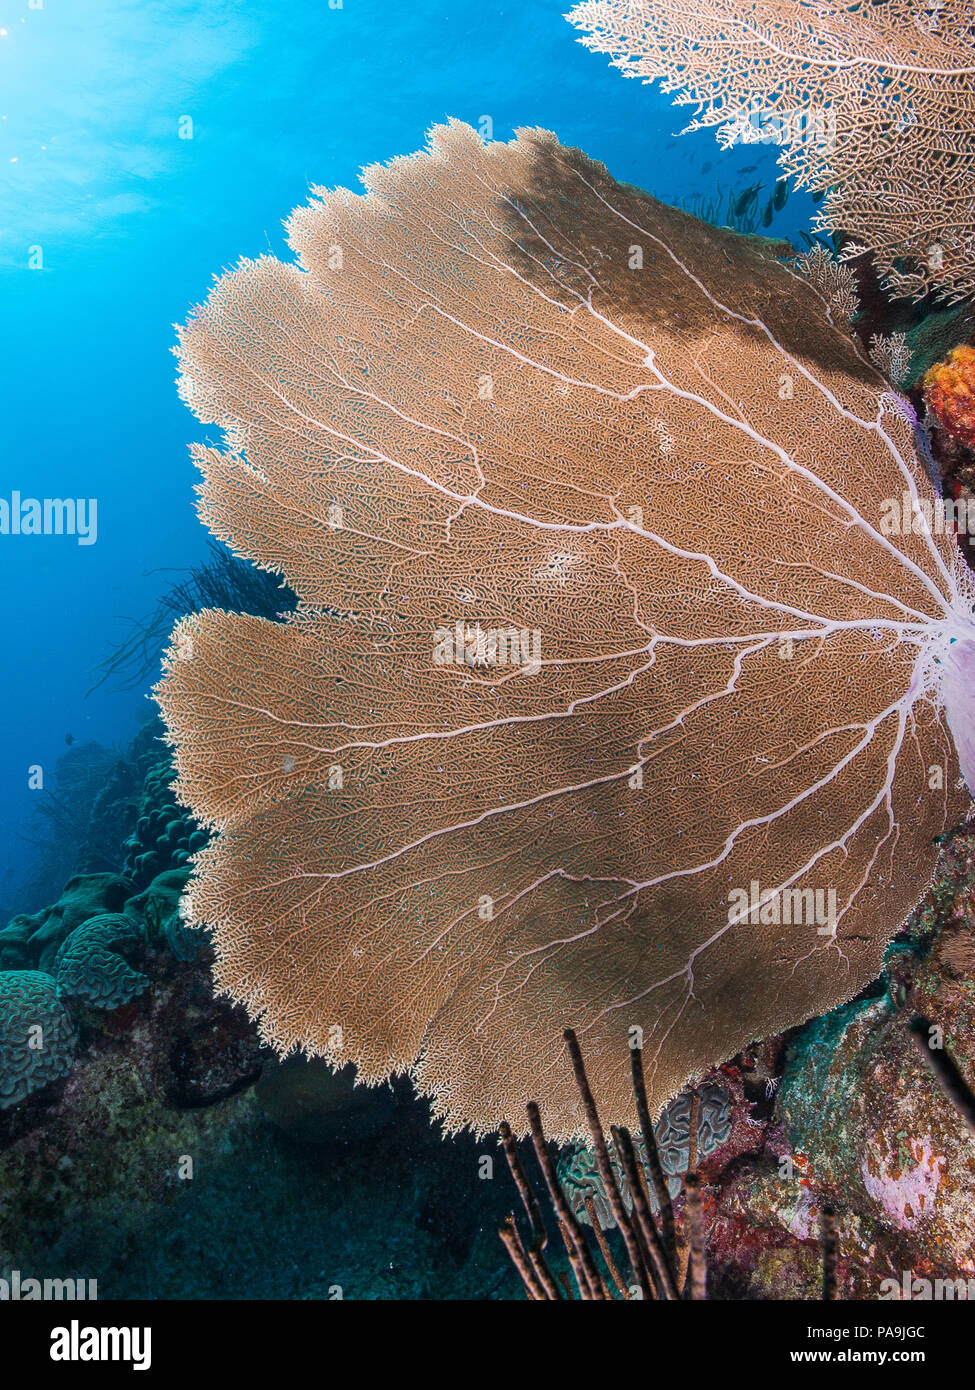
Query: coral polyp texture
949,394
37,1036
90,967
608,703
872,102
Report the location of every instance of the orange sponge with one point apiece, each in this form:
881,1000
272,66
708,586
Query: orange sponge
949,392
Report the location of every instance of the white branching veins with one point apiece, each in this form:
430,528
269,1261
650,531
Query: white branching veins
501,394
871,102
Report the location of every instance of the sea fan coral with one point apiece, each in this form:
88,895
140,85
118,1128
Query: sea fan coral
873,102
607,702
949,394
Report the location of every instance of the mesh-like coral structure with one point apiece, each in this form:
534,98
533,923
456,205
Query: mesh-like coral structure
90,967
37,1036
607,702
578,1169
873,101
835,282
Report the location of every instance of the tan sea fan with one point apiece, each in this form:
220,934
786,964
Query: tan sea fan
874,101
609,703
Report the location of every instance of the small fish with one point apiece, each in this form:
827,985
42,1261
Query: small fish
767,214
813,241
818,196
749,168
706,168
69,739
780,195
743,199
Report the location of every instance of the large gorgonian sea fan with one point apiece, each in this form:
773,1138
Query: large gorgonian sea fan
503,394
873,101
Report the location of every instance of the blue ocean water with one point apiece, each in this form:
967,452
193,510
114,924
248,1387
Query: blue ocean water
113,224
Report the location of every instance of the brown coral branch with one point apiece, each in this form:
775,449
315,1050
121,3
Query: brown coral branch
529,1200
664,1204
534,1255
512,1242
830,1241
604,1249
945,1069
638,1258
652,1245
696,1282
586,1275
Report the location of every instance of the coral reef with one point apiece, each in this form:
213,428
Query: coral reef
37,1036
32,940
155,1170
858,1101
160,900
578,1167
82,952
90,967
165,834
96,802
859,1120
876,1135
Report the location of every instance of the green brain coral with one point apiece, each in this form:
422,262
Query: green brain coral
90,968
37,1036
